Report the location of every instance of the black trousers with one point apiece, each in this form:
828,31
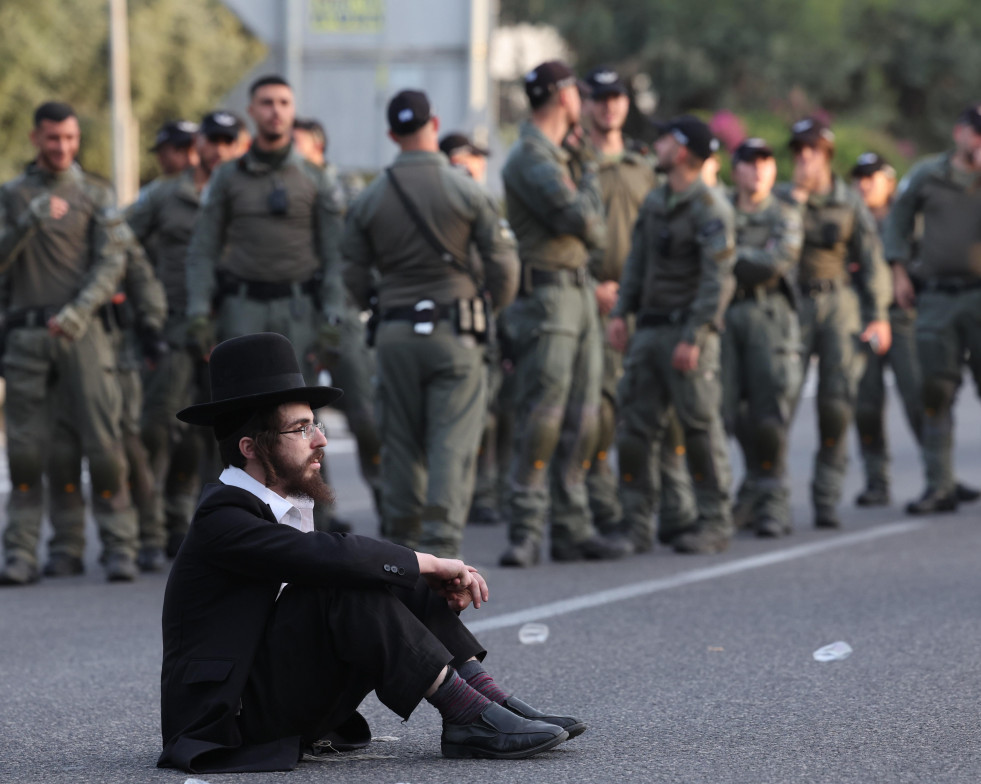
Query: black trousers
326,649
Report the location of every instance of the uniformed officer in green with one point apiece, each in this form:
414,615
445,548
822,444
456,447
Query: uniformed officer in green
351,363
839,232
265,245
174,147
61,254
553,328
626,176
946,191
410,233
761,343
163,220
677,282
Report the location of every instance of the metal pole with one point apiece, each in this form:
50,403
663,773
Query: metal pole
125,175
293,48
480,19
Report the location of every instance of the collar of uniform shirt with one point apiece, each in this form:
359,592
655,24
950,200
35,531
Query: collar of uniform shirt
294,511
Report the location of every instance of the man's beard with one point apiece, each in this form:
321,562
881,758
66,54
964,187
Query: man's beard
295,479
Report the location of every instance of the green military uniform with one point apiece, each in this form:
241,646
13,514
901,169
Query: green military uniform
949,300
677,282
265,246
554,332
870,407
838,230
761,354
63,401
430,396
625,180
163,219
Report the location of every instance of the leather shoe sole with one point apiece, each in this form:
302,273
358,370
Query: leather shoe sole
573,726
497,733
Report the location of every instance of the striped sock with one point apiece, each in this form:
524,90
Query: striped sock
457,702
473,673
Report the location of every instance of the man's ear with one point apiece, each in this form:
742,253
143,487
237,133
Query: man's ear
246,446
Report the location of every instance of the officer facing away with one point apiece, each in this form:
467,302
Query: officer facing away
412,228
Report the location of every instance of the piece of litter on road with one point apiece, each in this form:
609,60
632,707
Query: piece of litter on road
834,652
196,781
532,633
716,648
384,739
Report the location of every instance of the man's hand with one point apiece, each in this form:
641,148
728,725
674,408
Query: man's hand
452,579
48,206
606,296
200,337
327,345
68,323
685,357
616,334
878,334
902,287
58,208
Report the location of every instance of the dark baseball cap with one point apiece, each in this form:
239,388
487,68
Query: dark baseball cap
868,163
543,82
179,133
603,81
810,132
408,112
751,149
223,124
456,143
691,132
971,116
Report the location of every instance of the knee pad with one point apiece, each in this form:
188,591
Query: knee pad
26,468
770,441
607,425
833,417
107,471
871,429
633,455
938,395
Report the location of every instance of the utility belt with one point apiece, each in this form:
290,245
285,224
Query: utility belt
30,317
654,318
949,285
468,316
820,286
756,293
532,277
231,285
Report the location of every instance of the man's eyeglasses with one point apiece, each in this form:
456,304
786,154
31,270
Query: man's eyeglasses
307,431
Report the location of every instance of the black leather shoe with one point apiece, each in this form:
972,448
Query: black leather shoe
61,565
497,733
596,548
151,559
705,541
573,726
932,502
120,568
967,494
523,554
19,572
873,496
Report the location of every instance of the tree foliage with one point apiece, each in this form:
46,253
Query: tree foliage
903,66
184,56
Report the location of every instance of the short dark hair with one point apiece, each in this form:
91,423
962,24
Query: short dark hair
55,111
262,426
314,128
265,81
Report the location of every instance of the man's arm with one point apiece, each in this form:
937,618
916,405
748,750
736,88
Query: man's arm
781,253
109,237
16,230
329,226
206,245
142,214
715,236
549,192
144,290
899,230
358,255
865,247
497,248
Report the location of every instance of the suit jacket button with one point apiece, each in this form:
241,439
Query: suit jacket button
402,570
388,568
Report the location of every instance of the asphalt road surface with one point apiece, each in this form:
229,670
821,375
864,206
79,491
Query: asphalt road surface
687,669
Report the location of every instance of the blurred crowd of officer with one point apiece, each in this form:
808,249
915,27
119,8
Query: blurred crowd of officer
491,365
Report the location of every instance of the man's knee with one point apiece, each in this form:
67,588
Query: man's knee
938,395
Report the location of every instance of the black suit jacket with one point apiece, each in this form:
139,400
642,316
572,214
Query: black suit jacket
220,593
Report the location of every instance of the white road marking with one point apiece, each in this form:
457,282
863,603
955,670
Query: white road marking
600,598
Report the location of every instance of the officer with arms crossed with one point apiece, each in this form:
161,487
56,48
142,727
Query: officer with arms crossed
412,228
677,280
62,254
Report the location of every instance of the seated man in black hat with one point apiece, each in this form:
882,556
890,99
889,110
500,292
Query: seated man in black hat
273,633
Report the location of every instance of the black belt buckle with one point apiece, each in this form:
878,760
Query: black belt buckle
424,317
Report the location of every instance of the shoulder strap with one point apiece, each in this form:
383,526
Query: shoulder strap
427,232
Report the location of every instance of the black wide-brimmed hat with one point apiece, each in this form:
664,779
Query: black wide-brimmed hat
253,372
